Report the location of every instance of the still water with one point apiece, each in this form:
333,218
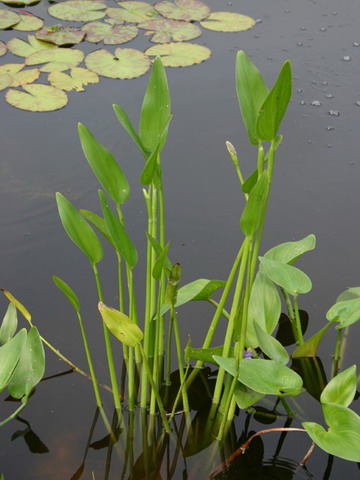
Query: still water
315,190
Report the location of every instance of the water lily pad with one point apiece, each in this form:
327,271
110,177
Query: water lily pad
21,48
60,35
180,54
8,18
75,81
110,32
56,59
126,63
3,48
188,10
228,22
37,98
166,30
11,75
78,10
132,12
20,3
28,23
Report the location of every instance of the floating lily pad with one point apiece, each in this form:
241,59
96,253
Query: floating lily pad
188,10
12,76
37,98
60,35
78,10
20,3
56,59
8,18
180,54
228,22
28,23
166,30
110,33
3,48
132,12
75,81
21,48
126,63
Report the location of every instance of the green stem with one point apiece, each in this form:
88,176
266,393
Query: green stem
337,352
224,312
180,359
16,413
300,338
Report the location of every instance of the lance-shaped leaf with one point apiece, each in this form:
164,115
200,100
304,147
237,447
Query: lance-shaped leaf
121,326
79,230
309,348
270,346
9,357
126,123
341,389
188,10
274,107
159,250
21,48
126,63
37,98
180,54
75,81
205,355
245,397
160,263
251,92
78,10
289,252
109,33
30,367
166,30
28,23
346,312
9,324
290,278
17,304
264,376
104,166
99,223
132,12
68,292
342,439
120,238
251,215
228,22
8,18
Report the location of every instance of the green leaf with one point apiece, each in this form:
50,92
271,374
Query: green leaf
166,30
270,346
37,98
79,230
56,59
120,238
121,326
341,389
245,397
264,308
343,437
132,12
264,376
20,3
99,223
75,81
109,33
9,357
61,35
104,166
12,75
251,215
30,367
158,250
274,107
160,263
126,63
68,292
17,304
309,348
289,252
345,312
126,123
290,278
9,324
78,10
28,23
251,92
8,18
180,54
250,182
172,287
351,293
228,22
21,48
205,355
188,10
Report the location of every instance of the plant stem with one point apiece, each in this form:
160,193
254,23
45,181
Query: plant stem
180,359
300,338
337,352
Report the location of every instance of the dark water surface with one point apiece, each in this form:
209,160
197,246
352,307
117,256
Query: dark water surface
315,190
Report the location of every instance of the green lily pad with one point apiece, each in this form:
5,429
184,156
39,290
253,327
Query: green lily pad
12,76
180,54
8,18
3,48
228,22
20,3
21,48
126,63
188,10
60,35
165,30
28,23
132,12
56,59
110,32
78,10
75,81
37,98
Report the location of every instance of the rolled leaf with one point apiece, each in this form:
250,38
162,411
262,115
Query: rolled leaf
173,285
251,215
24,311
121,326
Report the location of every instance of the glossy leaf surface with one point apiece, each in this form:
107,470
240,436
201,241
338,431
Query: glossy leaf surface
9,324
346,312
290,278
228,22
289,252
121,326
9,356
341,389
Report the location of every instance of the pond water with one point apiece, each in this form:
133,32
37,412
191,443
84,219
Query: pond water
315,190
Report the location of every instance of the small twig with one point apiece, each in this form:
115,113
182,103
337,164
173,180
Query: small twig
308,453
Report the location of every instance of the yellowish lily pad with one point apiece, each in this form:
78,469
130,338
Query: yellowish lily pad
60,35
28,23
37,98
78,10
110,33
131,12
21,48
180,54
228,22
167,30
188,10
75,81
11,75
56,59
20,3
8,18
126,63
3,48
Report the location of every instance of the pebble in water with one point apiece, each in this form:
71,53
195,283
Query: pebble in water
316,103
302,102
334,113
323,29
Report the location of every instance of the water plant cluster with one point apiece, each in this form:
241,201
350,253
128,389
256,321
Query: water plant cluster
48,50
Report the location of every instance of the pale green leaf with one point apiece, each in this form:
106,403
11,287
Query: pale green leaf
188,10
68,292
61,35
125,63
78,78
228,22
270,346
78,10
21,48
290,278
180,54
13,75
8,18
109,33
9,324
56,59
245,397
37,98
9,356
20,3
289,252
99,223
341,389
121,326
250,218
350,294
132,12
167,30
345,312
28,23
